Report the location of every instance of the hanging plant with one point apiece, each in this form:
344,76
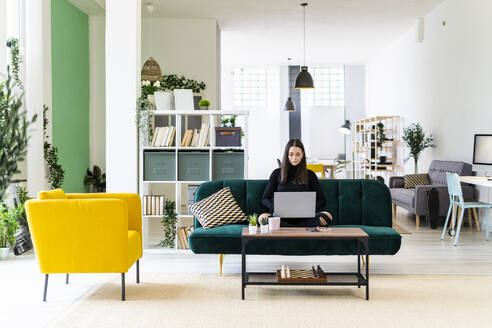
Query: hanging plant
16,59
144,119
56,174
169,220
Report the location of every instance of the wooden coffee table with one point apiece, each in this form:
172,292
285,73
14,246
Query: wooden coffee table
302,234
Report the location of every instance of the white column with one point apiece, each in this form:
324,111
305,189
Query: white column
123,26
34,93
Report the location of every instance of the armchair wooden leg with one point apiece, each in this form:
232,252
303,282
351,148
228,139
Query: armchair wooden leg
470,222
123,286
138,271
475,214
417,221
45,287
66,279
221,260
394,211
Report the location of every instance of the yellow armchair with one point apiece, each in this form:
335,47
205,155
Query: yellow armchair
86,233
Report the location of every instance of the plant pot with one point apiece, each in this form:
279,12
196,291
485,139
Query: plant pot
4,253
274,222
151,98
264,228
253,230
204,107
164,100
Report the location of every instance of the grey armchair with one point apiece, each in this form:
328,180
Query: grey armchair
415,200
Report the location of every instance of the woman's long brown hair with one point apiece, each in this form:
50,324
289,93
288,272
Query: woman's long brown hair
301,172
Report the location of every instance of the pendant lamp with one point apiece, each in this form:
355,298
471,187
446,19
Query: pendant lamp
289,105
304,80
346,127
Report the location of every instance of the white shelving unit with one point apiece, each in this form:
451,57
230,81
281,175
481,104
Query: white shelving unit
152,228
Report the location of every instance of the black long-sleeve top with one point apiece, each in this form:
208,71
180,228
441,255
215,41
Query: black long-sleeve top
274,185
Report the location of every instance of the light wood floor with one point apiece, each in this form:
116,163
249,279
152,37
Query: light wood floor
422,252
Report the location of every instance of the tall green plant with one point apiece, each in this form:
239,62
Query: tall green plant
416,141
169,220
55,170
13,131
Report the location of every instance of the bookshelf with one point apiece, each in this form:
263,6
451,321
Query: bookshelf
203,157
368,150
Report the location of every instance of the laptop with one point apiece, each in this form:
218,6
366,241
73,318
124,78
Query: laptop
300,204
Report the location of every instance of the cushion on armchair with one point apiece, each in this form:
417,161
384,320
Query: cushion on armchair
218,209
52,194
413,180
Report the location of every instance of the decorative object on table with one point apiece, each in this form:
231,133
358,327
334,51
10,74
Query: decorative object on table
9,223
15,124
210,214
144,115
416,141
228,135
264,224
56,174
253,223
151,70
274,223
183,100
23,241
95,179
168,221
304,80
289,105
204,104
413,180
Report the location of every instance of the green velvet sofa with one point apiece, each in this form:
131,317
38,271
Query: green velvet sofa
353,203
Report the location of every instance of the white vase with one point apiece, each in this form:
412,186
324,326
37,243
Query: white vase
151,98
253,230
264,228
164,100
4,253
274,222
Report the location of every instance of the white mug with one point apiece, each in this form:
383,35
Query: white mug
274,223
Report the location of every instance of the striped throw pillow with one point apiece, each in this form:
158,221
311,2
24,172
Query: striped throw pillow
218,209
413,180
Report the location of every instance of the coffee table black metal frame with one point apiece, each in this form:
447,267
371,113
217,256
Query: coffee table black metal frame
361,280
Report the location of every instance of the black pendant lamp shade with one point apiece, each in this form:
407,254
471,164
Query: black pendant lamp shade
345,128
304,80
289,105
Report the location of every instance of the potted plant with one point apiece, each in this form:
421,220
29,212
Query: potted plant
228,135
169,220
264,224
8,226
416,141
253,223
204,104
96,179
164,97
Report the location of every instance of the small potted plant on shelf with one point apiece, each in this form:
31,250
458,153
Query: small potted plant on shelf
264,224
253,223
8,226
204,104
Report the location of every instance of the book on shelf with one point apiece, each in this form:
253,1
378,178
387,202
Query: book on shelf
183,234
153,204
163,136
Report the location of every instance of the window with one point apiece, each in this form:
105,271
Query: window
329,85
250,88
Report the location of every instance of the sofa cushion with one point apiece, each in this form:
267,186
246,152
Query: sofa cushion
413,180
227,240
218,209
405,196
438,169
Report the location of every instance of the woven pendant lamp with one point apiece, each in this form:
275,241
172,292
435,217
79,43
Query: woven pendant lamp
151,71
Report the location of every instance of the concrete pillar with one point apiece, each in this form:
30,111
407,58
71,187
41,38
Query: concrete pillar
123,35
35,92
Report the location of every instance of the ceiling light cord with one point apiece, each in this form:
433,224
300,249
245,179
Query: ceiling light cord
304,4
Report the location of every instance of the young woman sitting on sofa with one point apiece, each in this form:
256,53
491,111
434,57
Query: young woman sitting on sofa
294,176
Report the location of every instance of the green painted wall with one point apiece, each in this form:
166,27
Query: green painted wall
70,82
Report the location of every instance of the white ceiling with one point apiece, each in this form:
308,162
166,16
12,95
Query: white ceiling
261,32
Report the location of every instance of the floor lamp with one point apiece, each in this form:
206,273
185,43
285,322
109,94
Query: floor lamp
345,129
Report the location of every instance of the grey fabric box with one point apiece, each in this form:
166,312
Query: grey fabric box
228,165
159,166
193,166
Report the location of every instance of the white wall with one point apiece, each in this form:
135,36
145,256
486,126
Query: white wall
444,82
185,47
97,92
354,99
